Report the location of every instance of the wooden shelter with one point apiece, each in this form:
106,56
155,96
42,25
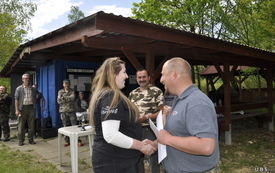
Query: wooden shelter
146,45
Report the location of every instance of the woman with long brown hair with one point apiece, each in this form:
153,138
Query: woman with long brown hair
117,143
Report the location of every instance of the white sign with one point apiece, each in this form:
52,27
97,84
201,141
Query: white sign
75,70
132,79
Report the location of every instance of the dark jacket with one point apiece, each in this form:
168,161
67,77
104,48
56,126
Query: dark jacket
77,105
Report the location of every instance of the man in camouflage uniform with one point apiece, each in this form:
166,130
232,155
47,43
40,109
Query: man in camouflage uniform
149,100
65,99
5,104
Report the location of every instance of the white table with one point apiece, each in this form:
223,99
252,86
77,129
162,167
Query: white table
74,132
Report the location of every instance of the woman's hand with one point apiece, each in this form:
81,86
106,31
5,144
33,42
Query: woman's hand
148,149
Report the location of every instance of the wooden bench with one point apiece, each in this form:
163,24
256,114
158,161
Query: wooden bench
260,116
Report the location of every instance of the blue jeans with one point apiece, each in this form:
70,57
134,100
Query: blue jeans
106,164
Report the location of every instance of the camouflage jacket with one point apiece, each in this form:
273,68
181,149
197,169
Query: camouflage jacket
147,100
66,100
5,103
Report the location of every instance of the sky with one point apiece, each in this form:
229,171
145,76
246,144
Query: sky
53,14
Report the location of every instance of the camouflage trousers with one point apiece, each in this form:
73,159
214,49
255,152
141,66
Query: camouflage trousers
68,119
216,169
4,125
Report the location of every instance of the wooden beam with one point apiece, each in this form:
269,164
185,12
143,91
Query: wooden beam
131,57
150,65
159,67
65,37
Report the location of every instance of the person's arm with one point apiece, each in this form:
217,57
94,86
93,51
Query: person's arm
16,102
17,111
201,125
192,144
154,115
59,97
112,135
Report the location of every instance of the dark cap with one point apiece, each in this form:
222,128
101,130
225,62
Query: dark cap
81,92
66,81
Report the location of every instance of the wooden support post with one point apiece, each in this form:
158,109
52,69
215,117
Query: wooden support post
228,138
150,66
268,76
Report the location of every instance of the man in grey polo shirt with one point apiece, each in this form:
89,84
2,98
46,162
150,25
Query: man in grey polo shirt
191,130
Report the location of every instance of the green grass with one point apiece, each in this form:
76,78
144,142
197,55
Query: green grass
253,149
18,162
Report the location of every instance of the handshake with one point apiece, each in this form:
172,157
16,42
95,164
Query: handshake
149,147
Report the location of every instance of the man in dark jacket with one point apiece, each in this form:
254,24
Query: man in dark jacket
81,105
5,104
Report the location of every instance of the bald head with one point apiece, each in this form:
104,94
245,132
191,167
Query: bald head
180,65
176,75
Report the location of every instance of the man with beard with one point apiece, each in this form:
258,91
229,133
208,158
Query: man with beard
25,104
149,100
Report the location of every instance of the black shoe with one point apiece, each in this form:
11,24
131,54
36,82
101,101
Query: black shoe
32,142
21,143
5,140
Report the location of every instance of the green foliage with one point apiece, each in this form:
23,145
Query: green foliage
15,18
9,37
201,17
21,10
75,14
249,22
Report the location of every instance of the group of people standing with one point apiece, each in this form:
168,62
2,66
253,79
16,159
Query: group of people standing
122,133
27,106
26,98
123,138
